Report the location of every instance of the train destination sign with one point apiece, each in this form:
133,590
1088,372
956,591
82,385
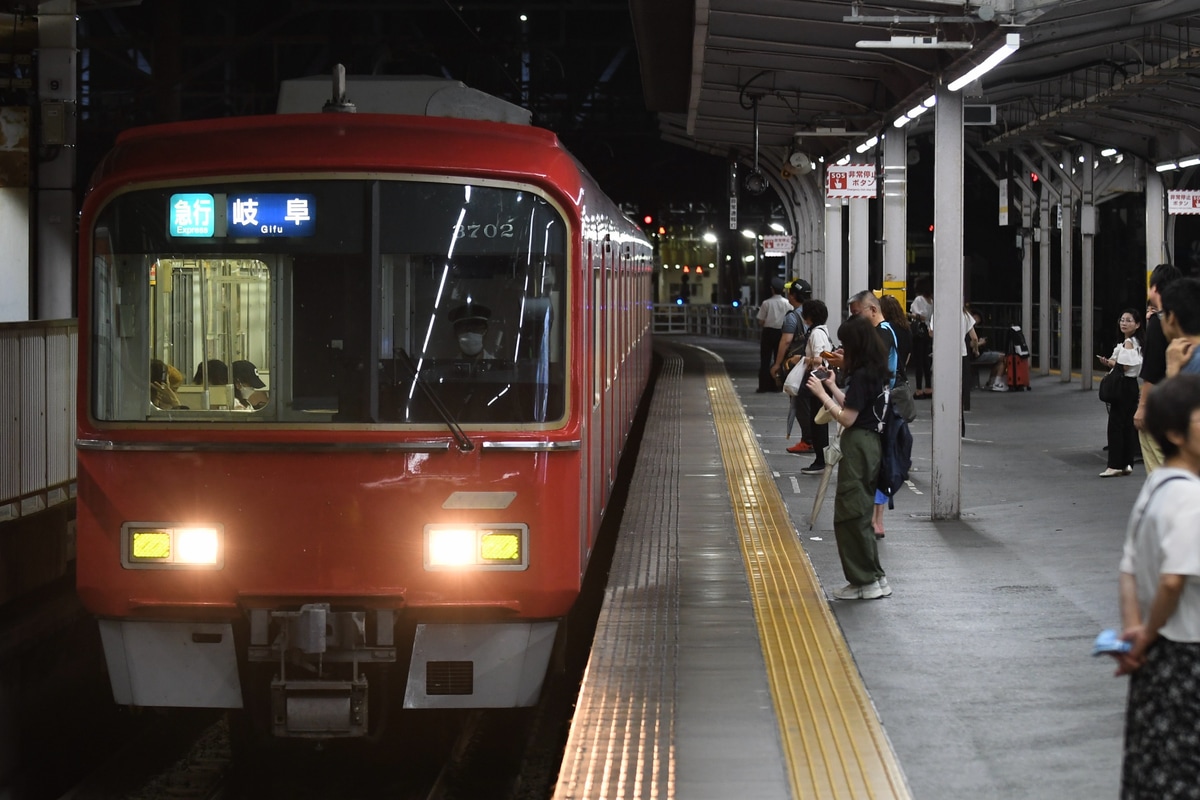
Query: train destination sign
200,215
266,215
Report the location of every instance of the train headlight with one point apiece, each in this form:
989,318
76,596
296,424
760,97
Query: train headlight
477,546
165,546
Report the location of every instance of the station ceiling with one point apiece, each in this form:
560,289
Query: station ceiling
1114,73
628,84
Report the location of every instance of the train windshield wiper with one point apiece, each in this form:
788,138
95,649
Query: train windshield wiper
464,442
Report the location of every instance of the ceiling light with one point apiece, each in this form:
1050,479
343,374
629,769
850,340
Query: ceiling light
1190,162
911,43
1166,166
1012,41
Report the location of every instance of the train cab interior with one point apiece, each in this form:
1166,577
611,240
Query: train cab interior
351,322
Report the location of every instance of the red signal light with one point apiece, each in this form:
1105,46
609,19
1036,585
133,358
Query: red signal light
647,219
1033,176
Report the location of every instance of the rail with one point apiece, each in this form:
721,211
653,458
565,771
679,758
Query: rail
37,416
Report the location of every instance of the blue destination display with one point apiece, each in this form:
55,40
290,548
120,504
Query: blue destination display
193,215
266,215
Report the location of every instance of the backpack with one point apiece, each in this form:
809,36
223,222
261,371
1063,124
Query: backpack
1015,342
896,440
799,339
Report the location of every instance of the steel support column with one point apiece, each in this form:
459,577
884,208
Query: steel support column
893,193
946,479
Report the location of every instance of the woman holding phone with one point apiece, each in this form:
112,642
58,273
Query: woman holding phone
1122,435
859,410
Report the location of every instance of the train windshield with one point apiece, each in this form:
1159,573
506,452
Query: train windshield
329,301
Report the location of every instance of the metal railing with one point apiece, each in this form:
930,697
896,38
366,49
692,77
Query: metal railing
742,323
37,415
706,320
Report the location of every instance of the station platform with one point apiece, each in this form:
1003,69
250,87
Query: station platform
722,667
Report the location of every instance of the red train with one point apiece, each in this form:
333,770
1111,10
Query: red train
352,392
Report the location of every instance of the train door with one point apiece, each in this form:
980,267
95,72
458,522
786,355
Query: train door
610,366
589,330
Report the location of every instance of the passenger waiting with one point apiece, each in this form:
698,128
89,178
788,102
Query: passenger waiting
213,372
247,386
165,380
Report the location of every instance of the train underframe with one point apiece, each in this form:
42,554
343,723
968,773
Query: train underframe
319,671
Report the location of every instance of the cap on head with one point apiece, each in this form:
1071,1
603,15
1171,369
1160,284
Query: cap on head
804,287
777,284
245,372
470,315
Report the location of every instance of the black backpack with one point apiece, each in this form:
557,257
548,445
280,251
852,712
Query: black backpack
799,338
896,440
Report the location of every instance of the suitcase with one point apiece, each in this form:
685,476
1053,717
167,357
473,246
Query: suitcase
1017,372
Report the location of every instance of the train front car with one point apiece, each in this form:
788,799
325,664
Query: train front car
352,389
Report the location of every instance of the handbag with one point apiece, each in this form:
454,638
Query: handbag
902,397
795,378
1110,385
823,417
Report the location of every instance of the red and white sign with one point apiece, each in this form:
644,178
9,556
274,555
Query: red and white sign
853,180
1183,201
778,245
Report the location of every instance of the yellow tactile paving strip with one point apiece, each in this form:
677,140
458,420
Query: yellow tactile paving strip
833,742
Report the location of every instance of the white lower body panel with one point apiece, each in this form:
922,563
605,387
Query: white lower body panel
183,664
505,664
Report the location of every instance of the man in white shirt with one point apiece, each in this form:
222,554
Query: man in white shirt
770,319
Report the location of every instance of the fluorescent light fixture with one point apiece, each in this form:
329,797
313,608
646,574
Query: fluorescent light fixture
1108,152
749,234
915,111
1190,162
843,161
868,144
775,226
1166,166
911,43
1012,41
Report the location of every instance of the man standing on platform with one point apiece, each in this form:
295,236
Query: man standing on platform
1180,318
1154,361
770,319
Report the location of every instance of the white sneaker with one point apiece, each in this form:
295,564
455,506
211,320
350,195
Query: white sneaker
1113,472
869,591
1129,470
883,586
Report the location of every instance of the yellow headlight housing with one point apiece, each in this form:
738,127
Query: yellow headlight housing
167,546
501,546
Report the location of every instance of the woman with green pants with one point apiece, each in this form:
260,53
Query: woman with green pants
858,408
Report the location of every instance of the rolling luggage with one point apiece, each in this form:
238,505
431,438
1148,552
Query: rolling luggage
1016,362
1017,372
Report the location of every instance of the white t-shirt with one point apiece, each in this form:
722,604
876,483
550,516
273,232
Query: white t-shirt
922,307
1163,538
968,324
818,341
773,310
